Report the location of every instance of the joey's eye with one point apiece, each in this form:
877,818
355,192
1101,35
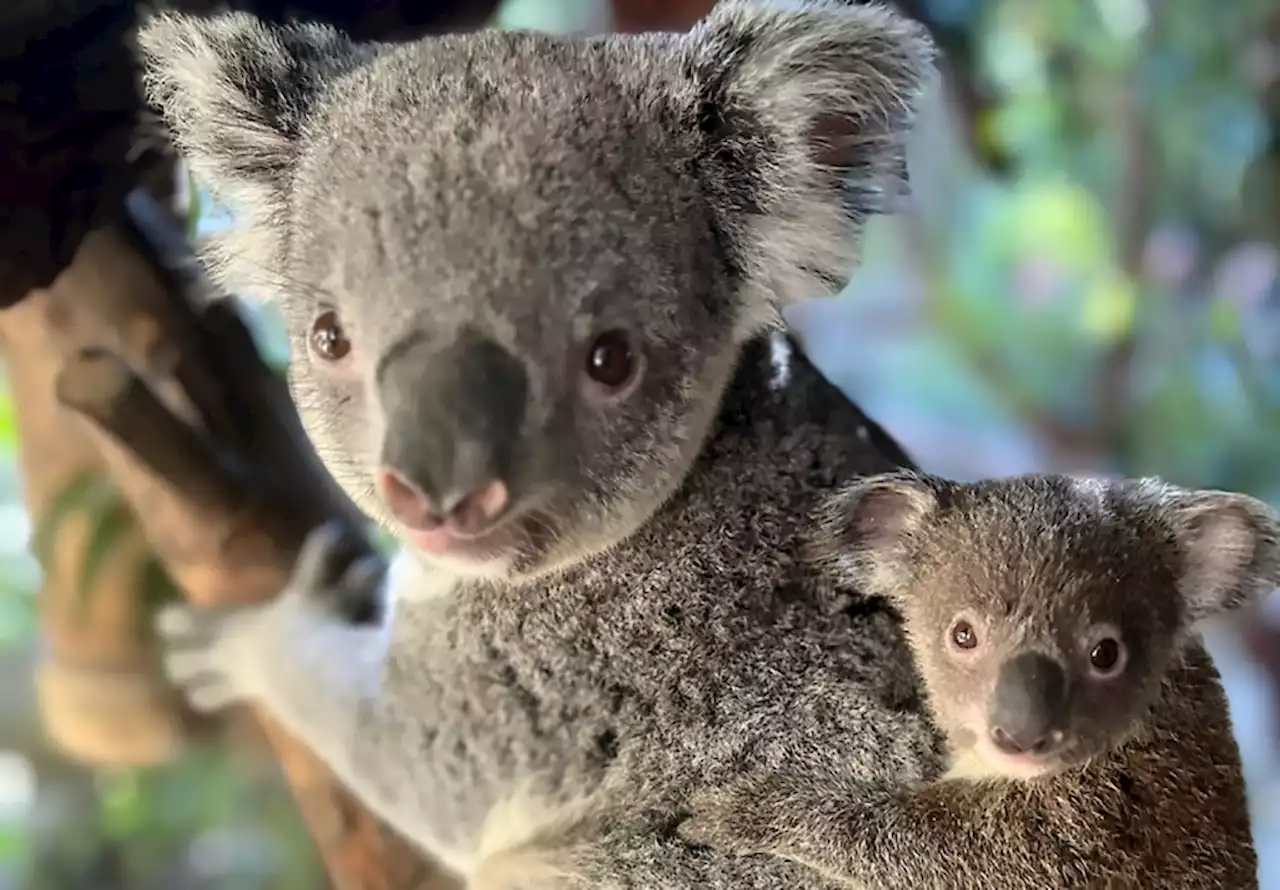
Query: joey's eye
963,636
327,338
611,360
1107,657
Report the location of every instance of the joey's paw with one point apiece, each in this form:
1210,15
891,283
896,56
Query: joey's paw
740,818
199,652
339,570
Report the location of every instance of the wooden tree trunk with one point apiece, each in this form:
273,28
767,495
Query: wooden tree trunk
101,696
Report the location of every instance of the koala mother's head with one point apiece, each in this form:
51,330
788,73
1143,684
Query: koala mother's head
517,269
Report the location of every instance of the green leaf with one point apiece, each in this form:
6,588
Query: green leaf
92,495
111,522
81,492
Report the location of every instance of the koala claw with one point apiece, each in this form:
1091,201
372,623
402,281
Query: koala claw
336,569
194,658
735,820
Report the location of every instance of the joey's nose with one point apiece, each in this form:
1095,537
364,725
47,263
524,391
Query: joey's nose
1036,740
1029,705
466,512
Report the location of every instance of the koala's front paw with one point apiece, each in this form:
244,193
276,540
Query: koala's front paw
740,818
220,657
338,571
203,652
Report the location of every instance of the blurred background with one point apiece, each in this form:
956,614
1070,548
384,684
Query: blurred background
1088,279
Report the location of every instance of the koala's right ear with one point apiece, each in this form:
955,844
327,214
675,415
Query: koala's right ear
804,106
862,532
1230,546
236,94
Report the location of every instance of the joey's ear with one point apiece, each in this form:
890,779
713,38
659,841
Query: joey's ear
1230,547
805,106
863,531
236,94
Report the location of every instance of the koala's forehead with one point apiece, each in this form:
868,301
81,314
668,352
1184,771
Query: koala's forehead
522,159
1049,565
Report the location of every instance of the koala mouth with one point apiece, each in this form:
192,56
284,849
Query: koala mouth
447,541
519,537
986,758
482,525
1026,765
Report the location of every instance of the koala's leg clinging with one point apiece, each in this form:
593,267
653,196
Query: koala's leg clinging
948,835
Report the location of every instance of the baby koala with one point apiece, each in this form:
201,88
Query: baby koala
1051,620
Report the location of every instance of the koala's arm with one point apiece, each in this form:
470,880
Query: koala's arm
316,658
948,835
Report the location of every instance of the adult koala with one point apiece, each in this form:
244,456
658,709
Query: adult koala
530,282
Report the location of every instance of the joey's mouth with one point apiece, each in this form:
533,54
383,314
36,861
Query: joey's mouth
1026,765
979,755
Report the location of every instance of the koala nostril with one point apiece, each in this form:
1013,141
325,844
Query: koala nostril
406,501
1024,742
478,508
1003,741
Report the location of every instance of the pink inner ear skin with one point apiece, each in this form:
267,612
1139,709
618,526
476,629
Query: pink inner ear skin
1221,542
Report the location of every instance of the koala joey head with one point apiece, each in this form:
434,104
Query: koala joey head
1044,611
517,269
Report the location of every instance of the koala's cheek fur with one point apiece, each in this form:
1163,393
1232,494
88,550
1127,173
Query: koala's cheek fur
1103,714
343,423
631,457
961,701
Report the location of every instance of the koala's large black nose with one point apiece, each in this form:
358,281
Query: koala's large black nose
453,421
1029,705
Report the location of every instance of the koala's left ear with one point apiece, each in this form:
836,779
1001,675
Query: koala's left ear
804,106
1230,547
238,95
861,533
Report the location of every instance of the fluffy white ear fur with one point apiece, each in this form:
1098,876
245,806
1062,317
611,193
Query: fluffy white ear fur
1231,544
861,530
237,94
820,97
807,101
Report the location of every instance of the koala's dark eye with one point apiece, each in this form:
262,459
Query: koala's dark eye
327,338
963,635
611,360
1107,657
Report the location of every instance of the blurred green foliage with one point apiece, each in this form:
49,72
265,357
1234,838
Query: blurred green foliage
1106,295
1104,303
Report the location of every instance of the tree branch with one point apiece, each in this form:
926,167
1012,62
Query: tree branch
221,475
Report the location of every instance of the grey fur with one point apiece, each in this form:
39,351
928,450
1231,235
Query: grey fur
1039,569
539,710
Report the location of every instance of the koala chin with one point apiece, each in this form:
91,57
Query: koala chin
532,285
